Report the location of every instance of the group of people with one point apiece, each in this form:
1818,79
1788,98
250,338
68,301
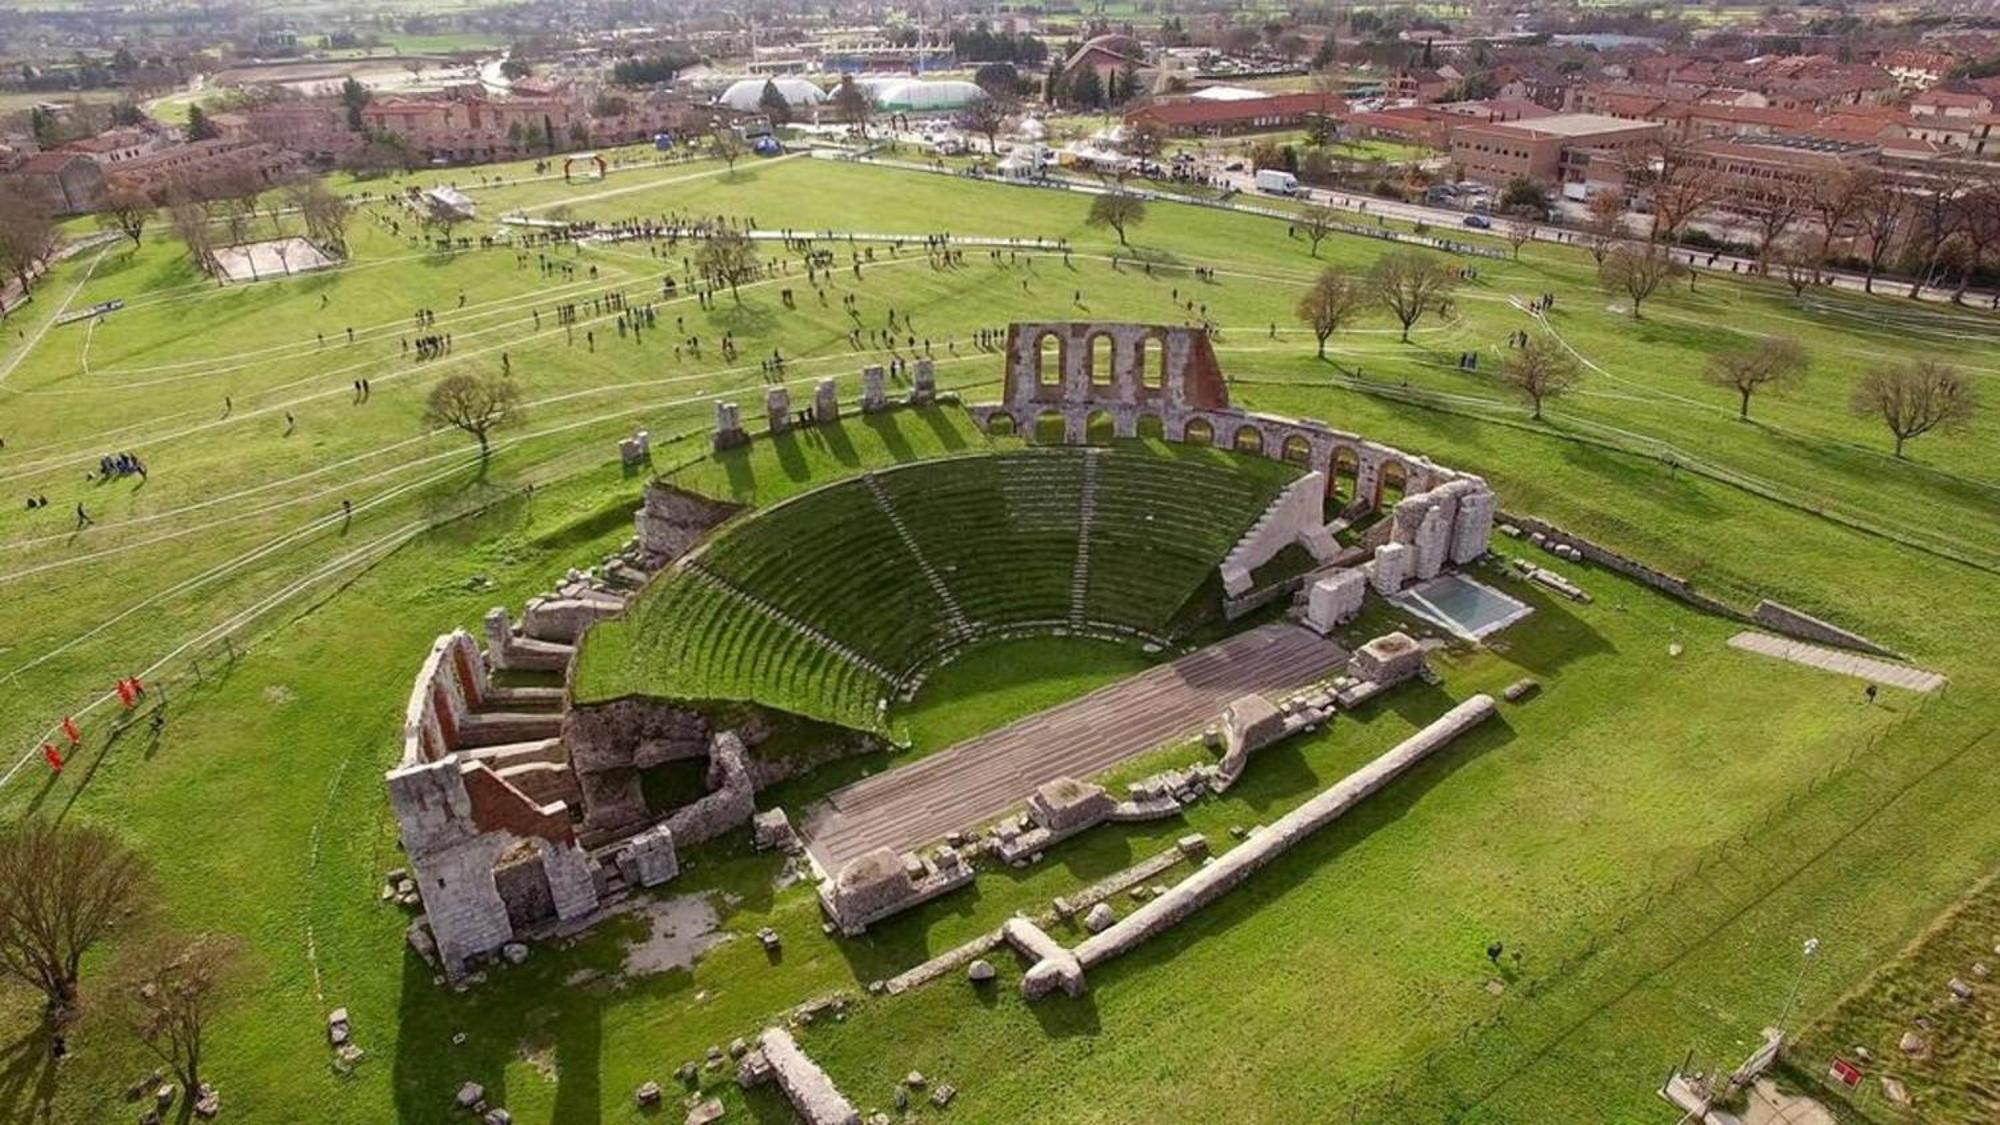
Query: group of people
119,465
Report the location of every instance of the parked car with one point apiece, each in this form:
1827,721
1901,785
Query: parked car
1479,222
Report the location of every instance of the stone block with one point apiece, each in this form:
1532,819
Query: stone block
729,426
1335,599
1066,805
778,408
1388,659
1390,568
874,395
826,402
649,859
925,388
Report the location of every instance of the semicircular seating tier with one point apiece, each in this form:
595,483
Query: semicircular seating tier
829,603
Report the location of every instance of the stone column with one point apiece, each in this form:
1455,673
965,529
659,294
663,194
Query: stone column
729,426
826,405
778,409
873,397
926,385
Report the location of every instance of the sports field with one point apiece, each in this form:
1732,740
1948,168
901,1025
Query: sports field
1654,834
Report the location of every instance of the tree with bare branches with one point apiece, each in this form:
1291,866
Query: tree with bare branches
476,404
1778,208
1117,209
324,213
1518,233
1410,283
986,115
127,210
171,988
1636,271
1977,231
1679,179
1915,398
1317,221
727,257
1835,200
1604,223
1333,300
63,888
726,146
27,235
190,223
1882,213
1540,370
1798,259
1769,362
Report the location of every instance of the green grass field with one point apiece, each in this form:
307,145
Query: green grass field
1654,834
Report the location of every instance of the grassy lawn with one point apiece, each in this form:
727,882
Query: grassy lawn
1654,834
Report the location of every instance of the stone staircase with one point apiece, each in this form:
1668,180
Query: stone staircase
789,621
960,625
1079,580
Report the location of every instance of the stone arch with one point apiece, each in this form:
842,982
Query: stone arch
1050,428
1153,361
1199,432
1392,482
1000,424
1343,475
1248,439
1099,427
1150,425
1047,375
1297,449
1100,354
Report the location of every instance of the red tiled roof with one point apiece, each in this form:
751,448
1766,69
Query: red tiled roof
1201,111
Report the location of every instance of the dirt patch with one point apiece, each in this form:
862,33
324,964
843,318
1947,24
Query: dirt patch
681,929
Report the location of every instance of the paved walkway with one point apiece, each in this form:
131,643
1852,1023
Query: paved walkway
1839,660
978,780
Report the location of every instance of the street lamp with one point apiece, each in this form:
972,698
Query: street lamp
1811,951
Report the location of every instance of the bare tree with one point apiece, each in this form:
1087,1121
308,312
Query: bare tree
1317,221
726,146
1540,370
62,889
1410,283
171,987
27,235
1637,271
478,405
1915,398
1118,209
1746,370
1680,179
1798,259
127,210
1835,200
324,213
1882,214
986,116
854,103
1518,233
1776,211
1933,219
727,257
1977,231
1604,225
1332,301
191,226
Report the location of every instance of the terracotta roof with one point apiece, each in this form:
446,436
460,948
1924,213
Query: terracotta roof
1205,112
51,162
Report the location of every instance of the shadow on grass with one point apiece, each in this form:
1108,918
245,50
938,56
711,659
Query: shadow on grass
1283,874
27,1077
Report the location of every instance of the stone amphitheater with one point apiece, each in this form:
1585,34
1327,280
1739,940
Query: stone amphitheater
518,791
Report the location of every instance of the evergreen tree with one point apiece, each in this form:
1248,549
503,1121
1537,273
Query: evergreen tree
1087,88
772,102
199,127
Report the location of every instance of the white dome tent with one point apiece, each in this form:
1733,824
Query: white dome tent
744,95
918,95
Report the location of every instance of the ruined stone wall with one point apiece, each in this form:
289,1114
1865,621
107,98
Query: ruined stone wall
610,742
1609,559
813,1095
1297,515
1166,366
730,802
672,519
1781,618
1211,881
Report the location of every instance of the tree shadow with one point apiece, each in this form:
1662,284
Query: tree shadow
27,1077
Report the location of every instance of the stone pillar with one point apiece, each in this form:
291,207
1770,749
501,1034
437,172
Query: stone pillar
1433,542
925,389
826,405
571,885
778,408
1390,568
1474,526
729,426
499,633
649,859
873,397
452,860
1335,599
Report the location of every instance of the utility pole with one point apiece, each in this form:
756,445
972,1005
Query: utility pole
1811,951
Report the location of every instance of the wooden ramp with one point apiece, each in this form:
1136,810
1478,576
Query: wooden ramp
981,778
1839,660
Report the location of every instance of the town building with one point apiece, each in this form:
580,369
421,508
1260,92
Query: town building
1539,149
